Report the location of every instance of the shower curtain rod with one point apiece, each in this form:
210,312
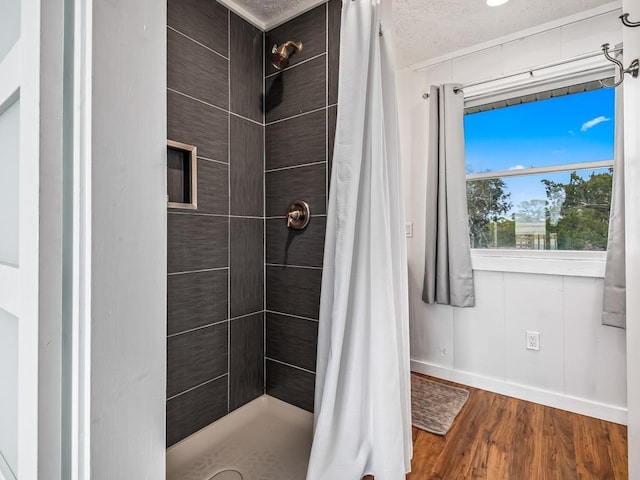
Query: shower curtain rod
531,70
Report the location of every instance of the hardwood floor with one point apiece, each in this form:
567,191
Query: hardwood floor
501,438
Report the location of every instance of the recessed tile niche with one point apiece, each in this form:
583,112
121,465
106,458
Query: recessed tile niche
182,183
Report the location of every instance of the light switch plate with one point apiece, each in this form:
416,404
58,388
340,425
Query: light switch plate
408,229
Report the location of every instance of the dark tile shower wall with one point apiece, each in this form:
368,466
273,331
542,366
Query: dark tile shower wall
215,353
300,118
264,139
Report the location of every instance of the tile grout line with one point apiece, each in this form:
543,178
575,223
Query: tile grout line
326,116
202,327
299,317
245,315
280,169
197,386
245,118
217,215
264,216
178,92
197,42
291,365
296,65
293,266
283,217
196,99
203,270
229,212
298,115
220,162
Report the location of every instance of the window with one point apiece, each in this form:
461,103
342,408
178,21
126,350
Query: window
539,170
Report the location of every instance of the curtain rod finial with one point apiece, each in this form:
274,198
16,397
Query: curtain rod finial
626,22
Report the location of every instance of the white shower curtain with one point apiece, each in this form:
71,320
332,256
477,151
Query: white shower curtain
363,400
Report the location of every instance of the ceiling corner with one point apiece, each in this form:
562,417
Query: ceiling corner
293,12
269,14
244,13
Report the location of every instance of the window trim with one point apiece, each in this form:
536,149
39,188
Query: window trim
560,168
537,80
570,263
578,263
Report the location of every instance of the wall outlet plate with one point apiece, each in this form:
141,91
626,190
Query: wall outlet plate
533,341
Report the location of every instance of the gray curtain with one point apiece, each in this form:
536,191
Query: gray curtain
614,306
448,277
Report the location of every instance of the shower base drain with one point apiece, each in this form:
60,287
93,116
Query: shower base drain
227,475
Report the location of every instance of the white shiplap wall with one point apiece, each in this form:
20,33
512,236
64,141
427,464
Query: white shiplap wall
581,365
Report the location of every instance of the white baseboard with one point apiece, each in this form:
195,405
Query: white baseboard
610,413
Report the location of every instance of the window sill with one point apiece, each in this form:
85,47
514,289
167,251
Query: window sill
566,263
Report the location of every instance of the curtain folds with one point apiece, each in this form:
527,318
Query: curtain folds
363,402
614,300
448,276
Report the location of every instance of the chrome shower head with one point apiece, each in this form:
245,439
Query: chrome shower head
280,55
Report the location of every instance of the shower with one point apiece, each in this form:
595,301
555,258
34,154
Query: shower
280,54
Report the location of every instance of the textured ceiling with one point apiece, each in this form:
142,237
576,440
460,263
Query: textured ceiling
268,13
430,28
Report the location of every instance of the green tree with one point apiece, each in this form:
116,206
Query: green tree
487,202
531,211
506,233
578,211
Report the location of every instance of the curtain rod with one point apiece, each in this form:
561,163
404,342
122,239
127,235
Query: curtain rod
532,69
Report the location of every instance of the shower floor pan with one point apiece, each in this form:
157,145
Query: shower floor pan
266,439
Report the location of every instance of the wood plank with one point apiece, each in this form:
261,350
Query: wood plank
502,438
559,458
425,449
496,437
591,442
463,439
618,449
526,459
480,462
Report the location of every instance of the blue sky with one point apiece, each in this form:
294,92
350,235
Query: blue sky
567,129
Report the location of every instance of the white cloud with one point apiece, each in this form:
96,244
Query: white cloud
517,167
593,122
558,152
571,132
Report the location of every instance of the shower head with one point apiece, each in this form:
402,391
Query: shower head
280,54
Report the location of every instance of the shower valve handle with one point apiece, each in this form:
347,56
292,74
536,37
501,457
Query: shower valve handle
293,216
298,215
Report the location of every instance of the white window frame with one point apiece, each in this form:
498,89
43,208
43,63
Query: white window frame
544,262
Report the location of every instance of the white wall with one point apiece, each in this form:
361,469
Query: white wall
127,235
631,38
581,365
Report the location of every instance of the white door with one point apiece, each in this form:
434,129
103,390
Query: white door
9,235
82,239
30,236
